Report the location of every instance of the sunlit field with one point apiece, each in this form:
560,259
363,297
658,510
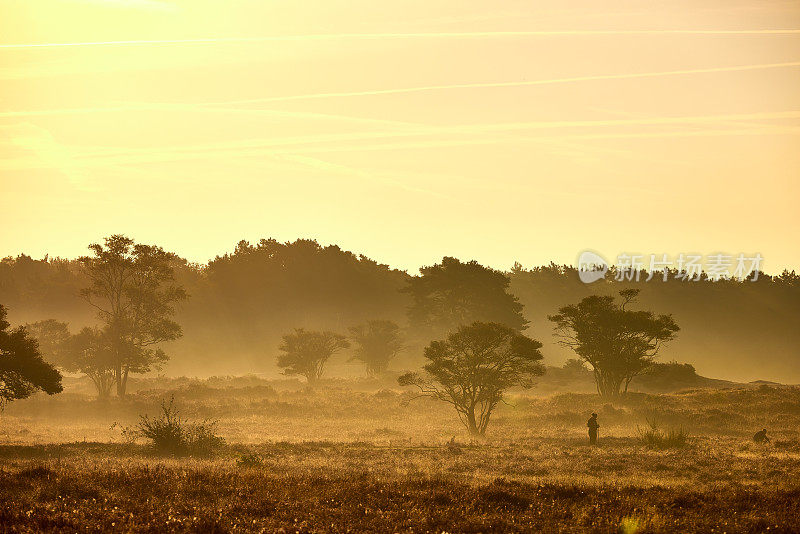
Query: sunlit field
422,267
361,455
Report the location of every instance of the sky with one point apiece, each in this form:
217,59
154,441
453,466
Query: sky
498,131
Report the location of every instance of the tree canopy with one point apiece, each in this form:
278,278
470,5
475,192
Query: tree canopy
474,367
91,353
133,288
88,352
616,342
244,301
305,352
452,293
53,337
22,369
376,342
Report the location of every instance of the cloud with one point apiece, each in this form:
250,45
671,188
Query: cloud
385,36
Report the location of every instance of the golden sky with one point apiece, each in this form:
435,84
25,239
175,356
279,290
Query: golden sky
497,131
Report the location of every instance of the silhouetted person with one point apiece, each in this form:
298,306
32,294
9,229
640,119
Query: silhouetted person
761,436
593,426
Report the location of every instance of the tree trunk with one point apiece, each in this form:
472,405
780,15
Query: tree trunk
482,428
118,378
103,389
122,383
472,425
608,386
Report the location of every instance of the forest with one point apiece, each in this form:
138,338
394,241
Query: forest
239,305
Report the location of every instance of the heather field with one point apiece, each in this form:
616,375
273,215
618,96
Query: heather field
441,267
358,455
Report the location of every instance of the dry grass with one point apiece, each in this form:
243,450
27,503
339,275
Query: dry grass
339,459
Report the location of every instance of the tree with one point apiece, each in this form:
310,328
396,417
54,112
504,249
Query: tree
574,366
377,342
133,289
52,337
618,343
473,368
266,289
451,294
22,369
305,352
90,352
669,377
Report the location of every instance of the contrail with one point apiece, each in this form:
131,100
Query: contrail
220,105
190,153
374,36
417,130
137,156
205,108
516,83
291,144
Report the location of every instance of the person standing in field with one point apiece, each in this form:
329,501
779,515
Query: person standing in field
593,426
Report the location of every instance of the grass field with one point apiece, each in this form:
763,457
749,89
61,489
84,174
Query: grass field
350,456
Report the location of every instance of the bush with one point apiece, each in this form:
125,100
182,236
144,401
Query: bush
171,434
249,460
655,438
667,377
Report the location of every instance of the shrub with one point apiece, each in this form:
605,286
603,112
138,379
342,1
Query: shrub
666,377
249,460
655,438
172,434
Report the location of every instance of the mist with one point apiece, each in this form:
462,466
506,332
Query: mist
241,303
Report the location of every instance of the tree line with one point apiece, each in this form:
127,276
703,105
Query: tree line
464,318
242,303
483,352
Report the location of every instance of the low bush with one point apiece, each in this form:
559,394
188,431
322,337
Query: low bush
655,438
172,434
249,460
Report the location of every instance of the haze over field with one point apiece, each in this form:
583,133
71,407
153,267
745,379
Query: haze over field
420,266
241,303
497,131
